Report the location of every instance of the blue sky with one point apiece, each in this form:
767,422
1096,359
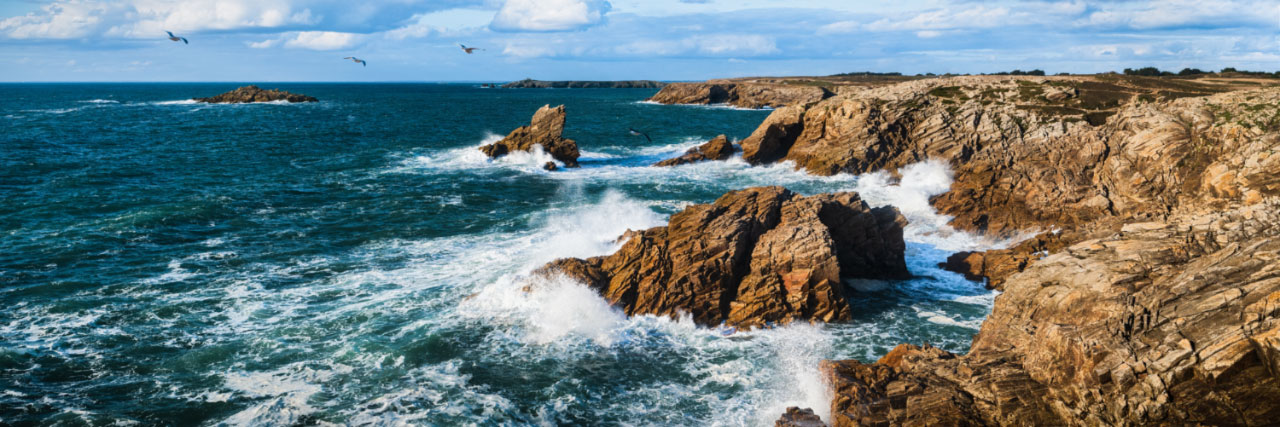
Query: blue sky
416,40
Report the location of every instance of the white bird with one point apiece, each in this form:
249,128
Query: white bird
176,38
361,61
468,50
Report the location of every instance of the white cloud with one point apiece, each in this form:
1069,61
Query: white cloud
322,40
841,27
549,15
740,44
71,19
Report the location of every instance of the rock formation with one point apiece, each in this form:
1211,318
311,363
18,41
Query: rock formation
739,94
717,148
1171,322
998,264
754,256
251,93
580,84
545,130
796,417
1115,148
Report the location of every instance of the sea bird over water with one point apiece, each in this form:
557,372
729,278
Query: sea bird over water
468,50
639,133
354,59
176,38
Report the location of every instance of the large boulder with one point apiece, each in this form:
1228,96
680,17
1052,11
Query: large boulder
544,130
251,93
755,256
718,148
772,140
1169,322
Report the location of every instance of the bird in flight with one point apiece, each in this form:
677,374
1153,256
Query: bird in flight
468,50
354,59
639,133
176,38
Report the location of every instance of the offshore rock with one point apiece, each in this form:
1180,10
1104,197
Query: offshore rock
545,129
755,256
549,166
717,148
739,94
252,93
1169,322
796,417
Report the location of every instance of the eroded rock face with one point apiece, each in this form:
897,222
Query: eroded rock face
544,130
996,265
717,148
796,417
1113,151
754,256
1173,322
251,93
739,94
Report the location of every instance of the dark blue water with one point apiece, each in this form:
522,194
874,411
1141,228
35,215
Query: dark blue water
358,261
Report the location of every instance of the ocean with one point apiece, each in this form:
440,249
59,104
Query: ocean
359,261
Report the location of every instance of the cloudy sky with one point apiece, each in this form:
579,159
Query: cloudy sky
416,40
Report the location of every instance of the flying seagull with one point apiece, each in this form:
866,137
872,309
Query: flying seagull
176,38
468,50
639,133
361,61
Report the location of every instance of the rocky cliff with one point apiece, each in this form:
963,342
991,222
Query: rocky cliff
251,93
753,257
1173,322
583,84
544,130
740,94
1041,153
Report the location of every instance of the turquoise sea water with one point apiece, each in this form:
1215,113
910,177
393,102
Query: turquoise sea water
358,261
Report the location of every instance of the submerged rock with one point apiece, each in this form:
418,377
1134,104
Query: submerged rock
252,93
755,256
545,129
717,148
1172,322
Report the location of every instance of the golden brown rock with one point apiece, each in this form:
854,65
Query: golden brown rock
996,265
772,140
252,93
717,148
796,417
754,256
739,94
1170,322
544,130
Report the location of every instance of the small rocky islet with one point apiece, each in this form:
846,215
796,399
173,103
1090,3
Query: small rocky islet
1153,299
254,94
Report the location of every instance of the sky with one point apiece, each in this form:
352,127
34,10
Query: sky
417,40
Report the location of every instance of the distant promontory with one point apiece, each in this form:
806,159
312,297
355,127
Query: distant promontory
581,84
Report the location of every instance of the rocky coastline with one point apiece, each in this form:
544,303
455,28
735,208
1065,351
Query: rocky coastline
252,94
1149,294
583,84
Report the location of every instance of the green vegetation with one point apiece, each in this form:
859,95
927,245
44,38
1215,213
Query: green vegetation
1019,73
948,92
867,74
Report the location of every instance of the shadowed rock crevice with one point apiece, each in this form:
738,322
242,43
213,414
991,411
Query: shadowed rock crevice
544,130
754,256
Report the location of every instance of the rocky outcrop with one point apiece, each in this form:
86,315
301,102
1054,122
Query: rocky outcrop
717,148
1170,322
582,84
740,94
753,257
996,265
1100,151
251,93
544,130
796,417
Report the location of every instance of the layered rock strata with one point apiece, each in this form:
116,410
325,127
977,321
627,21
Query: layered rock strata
252,93
1171,322
718,148
739,94
544,130
753,257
